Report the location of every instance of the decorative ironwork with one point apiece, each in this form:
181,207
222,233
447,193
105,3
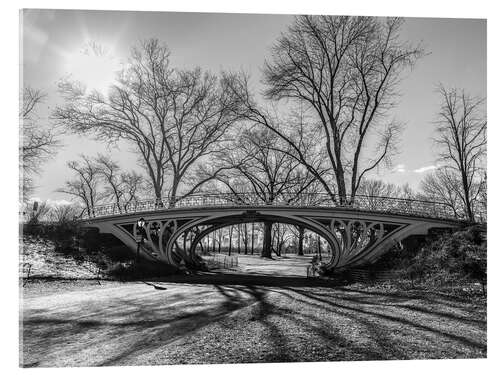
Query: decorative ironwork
358,237
399,206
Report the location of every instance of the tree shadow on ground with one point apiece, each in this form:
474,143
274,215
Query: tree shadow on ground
424,324
310,322
349,324
153,323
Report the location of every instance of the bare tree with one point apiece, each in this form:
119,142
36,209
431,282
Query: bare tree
173,118
64,213
461,128
110,172
123,188
297,235
85,185
374,189
441,186
38,211
37,143
378,188
246,237
254,163
101,179
282,234
345,71
271,173
483,196
406,192
132,184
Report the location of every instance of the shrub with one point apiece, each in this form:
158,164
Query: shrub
451,258
444,258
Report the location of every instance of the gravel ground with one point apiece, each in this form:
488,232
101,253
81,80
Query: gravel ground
82,323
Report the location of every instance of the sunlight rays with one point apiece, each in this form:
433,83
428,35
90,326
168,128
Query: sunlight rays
93,64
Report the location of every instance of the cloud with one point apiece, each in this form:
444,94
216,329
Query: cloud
425,169
400,168
58,202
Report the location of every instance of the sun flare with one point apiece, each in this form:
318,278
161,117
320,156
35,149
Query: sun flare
94,65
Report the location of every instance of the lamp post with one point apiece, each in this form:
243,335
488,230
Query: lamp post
139,238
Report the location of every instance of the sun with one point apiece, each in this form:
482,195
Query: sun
94,65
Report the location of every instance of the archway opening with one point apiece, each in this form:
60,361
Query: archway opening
241,245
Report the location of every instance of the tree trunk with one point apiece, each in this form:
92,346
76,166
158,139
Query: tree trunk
173,193
220,240
230,240
239,238
246,238
301,241
319,246
467,200
341,184
276,241
266,246
253,234
158,196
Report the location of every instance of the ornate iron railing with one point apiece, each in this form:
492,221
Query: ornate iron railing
411,207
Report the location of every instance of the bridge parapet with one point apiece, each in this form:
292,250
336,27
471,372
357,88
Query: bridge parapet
390,205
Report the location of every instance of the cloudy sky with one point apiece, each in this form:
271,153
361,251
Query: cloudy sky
54,45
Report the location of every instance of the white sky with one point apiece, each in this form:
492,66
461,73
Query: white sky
54,41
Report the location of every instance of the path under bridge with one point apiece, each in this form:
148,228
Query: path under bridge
357,231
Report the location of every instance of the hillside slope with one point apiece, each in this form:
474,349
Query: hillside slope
39,257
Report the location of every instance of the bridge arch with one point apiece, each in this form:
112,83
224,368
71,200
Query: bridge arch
221,221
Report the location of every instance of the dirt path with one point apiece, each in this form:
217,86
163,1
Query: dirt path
107,324
287,265
136,324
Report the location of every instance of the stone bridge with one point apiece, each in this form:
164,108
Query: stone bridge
358,231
